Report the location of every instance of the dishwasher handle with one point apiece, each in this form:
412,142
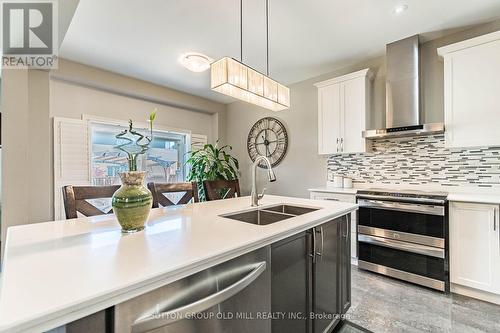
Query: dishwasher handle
156,320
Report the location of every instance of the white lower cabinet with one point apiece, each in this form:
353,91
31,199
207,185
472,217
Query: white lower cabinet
354,215
475,246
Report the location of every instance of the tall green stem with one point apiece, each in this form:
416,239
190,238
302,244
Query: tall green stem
132,162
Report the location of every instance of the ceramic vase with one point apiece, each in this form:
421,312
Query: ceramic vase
132,202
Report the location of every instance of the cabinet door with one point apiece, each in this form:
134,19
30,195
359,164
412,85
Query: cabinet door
325,272
328,119
354,215
290,284
474,246
353,113
472,100
345,265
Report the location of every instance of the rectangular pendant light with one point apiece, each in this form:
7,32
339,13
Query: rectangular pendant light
233,78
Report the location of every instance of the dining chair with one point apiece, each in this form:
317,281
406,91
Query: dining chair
221,189
160,191
77,199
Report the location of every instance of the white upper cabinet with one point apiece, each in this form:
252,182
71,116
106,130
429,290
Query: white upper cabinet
328,119
472,91
475,246
343,110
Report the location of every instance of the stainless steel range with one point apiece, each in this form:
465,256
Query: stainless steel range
404,234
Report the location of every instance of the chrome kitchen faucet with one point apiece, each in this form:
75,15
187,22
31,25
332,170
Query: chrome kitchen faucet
270,174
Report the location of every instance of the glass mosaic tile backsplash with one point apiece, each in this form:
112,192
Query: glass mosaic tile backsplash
420,161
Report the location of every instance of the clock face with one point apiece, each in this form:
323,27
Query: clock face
268,137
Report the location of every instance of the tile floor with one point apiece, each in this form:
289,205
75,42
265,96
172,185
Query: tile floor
348,327
381,304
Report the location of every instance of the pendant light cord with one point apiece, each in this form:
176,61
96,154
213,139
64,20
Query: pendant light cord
267,36
241,31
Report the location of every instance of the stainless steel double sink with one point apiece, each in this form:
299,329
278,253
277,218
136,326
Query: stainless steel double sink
270,214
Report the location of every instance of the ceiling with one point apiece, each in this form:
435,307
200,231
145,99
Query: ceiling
144,39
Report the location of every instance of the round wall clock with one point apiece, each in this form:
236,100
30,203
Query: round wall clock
268,137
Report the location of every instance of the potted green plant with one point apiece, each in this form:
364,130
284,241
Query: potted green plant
211,163
132,202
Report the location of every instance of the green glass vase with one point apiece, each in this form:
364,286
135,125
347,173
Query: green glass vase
132,202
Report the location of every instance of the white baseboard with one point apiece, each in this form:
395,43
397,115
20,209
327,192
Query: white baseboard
475,293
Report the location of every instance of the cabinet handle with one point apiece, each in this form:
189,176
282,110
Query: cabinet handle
332,199
337,145
495,219
320,231
342,144
313,254
322,241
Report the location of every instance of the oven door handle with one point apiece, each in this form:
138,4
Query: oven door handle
156,320
403,246
402,207
428,201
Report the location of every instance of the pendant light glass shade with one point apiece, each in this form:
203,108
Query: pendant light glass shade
233,78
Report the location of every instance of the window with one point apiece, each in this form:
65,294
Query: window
84,155
164,161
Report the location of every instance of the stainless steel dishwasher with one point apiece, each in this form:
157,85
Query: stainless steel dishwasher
230,297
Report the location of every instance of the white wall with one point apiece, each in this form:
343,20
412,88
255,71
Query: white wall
72,101
77,89
26,148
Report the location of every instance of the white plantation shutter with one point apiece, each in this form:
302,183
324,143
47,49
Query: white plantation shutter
71,158
198,141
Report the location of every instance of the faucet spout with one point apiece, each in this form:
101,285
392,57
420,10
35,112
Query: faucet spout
270,175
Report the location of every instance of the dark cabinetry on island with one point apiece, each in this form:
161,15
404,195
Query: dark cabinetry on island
311,279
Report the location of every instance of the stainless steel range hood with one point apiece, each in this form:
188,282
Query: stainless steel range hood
402,115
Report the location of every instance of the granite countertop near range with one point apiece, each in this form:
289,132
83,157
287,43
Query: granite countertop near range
57,272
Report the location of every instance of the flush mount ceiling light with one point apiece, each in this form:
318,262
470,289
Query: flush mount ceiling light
195,62
400,9
233,78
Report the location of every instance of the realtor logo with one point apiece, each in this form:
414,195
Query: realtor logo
29,34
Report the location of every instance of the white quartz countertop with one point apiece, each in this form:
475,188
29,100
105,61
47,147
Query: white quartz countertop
340,190
57,272
489,198
457,194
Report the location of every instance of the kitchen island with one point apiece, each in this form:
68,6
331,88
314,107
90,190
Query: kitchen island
58,272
